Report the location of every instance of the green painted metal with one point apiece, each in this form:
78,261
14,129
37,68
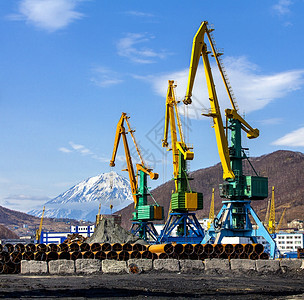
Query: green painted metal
242,187
178,199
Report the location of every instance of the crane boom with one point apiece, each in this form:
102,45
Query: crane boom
39,230
281,220
271,223
121,131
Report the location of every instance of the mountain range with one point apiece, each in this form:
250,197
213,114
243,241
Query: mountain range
81,201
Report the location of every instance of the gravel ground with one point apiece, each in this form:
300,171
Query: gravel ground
154,285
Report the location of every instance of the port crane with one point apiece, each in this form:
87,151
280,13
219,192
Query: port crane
144,213
183,200
237,189
211,211
39,230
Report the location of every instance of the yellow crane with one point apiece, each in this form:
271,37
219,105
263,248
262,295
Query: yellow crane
267,214
211,212
98,215
144,213
237,189
183,199
271,222
281,220
39,230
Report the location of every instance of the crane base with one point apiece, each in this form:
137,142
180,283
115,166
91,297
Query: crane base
233,221
145,230
188,229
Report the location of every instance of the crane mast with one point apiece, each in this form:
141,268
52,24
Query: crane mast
237,188
39,230
144,213
183,199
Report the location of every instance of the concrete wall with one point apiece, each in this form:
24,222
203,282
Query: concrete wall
89,266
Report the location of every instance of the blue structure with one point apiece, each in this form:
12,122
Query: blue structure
145,229
189,230
228,228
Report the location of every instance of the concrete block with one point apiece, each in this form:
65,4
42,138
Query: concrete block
170,264
188,266
266,266
217,264
242,265
61,266
302,267
87,266
113,266
33,267
145,265
290,264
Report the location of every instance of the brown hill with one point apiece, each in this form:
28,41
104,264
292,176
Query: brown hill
5,233
285,170
23,224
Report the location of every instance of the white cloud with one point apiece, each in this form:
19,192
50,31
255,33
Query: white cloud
104,77
130,47
50,15
292,139
253,91
138,13
81,149
23,202
272,121
282,7
64,150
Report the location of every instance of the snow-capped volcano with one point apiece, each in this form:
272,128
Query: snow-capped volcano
81,201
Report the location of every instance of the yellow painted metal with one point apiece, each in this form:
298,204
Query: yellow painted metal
158,212
121,131
252,133
199,49
98,215
271,224
38,231
267,214
171,119
211,212
191,201
281,220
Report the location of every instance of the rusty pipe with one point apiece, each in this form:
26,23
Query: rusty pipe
127,247
146,254
76,255
111,255
106,247
116,247
135,254
52,255
101,255
95,247
123,255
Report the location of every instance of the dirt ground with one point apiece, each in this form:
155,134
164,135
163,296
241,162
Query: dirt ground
155,286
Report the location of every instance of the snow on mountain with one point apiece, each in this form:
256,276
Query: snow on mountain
81,201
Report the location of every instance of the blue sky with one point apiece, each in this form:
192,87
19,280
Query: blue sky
69,68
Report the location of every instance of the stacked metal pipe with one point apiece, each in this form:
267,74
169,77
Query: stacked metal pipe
199,251
11,255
